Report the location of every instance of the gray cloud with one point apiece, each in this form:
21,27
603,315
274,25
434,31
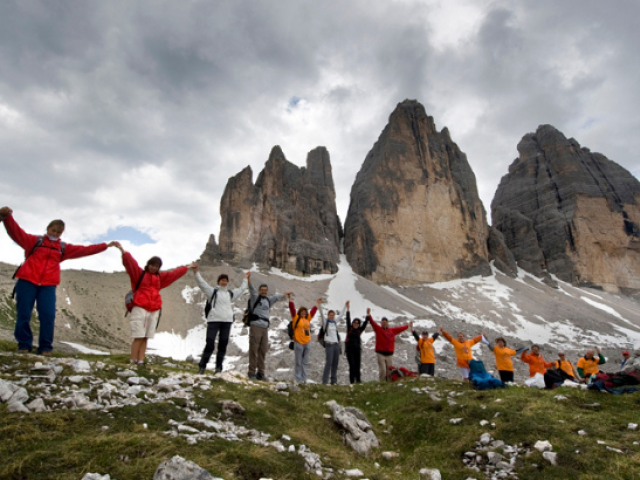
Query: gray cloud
136,113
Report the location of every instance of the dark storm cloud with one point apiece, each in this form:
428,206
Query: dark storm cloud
139,111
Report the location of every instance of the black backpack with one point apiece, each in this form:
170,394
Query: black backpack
291,328
321,335
248,315
211,303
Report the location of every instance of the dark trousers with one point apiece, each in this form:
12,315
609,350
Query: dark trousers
212,332
428,368
27,295
331,359
353,357
505,376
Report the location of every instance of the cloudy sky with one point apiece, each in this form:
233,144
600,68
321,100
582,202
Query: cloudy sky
126,118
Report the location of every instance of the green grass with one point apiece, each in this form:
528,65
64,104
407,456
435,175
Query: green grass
67,444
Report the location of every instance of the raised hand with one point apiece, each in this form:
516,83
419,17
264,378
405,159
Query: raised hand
348,305
5,211
288,294
368,312
319,301
194,266
411,325
247,275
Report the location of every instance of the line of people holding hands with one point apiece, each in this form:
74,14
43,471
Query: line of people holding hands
39,275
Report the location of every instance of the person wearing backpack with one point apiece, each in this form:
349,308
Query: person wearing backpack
385,344
331,342
427,353
220,316
38,277
353,346
260,303
301,325
146,285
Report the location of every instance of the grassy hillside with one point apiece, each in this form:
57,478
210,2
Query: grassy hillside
66,444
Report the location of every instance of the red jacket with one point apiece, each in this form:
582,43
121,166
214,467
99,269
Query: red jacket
148,294
42,267
385,337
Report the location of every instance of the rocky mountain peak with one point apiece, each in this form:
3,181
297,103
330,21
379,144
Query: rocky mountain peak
287,219
415,214
565,210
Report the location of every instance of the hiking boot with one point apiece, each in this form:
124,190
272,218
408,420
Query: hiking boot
218,369
46,353
252,376
201,371
23,351
261,377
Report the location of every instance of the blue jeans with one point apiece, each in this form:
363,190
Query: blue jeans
27,295
332,357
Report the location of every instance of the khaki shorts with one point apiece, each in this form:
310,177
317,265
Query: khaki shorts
143,323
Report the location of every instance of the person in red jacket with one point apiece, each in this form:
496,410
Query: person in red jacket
38,277
385,343
147,301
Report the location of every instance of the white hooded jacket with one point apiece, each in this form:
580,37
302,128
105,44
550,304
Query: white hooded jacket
223,309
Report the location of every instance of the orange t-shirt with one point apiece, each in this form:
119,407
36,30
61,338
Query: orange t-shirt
589,367
462,349
427,355
503,358
565,366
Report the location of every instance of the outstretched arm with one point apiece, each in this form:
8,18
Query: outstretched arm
170,276
16,233
237,292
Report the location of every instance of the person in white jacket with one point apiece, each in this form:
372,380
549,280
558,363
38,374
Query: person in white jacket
220,317
332,343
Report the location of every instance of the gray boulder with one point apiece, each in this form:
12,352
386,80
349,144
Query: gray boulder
359,433
180,469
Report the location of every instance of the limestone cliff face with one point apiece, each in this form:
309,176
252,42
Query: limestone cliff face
415,215
570,212
287,220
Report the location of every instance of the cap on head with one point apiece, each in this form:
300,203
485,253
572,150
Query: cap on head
626,352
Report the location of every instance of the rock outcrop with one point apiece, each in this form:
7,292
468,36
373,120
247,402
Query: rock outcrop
570,212
287,220
211,255
415,215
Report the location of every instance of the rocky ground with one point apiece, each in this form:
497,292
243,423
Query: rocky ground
94,417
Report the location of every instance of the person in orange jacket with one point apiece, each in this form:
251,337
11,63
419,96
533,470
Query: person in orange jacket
301,321
427,353
504,365
147,301
566,366
462,347
38,277
535,360
385,344
588,365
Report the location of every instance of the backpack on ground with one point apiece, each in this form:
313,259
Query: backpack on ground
63,247
248,315
211,303
128,298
